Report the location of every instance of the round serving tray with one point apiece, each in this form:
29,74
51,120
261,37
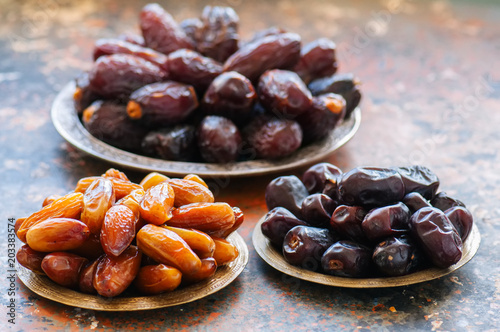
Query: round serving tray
224,275
274,258
71,129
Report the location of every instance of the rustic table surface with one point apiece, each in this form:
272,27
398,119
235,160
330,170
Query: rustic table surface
431,84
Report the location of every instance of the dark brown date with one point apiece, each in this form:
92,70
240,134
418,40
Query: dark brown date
419,179
317,59
86,278
191,26
415,201
218,36
230,95
288,192
461,219
161,32
277,223
304,246
444,202
346,222
271,31
108,121
162,104
316,176
437,236
108,46
283,93
322,117
280,51
83,95
345,85
397,256
347,259
317,210
219,140
391,220
175,143
190,67
371,186
132,38
118,75
272,138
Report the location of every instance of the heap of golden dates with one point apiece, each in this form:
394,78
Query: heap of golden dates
111,233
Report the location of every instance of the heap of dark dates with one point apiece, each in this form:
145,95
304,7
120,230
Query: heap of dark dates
195,92
368,222
111,235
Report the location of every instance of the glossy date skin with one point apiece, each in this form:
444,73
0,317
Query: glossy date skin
397,256
317,210
304,246
219,140
277,223
231,95
347,259
288,192
444,202
391,220
419,179
63,268
414,201
346,222
437,236
174,143
371,186
317,59
283,93
462,220
316,176
280,51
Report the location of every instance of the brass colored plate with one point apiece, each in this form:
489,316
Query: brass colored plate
45,287
274,258
71,129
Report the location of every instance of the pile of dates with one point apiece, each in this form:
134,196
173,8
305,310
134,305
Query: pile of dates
111,234
368,222
193,91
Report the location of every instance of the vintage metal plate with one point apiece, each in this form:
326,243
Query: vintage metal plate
274,258
45,287
70,128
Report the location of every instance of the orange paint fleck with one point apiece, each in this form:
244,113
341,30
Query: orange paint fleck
392,309
458,291
214,316
378,307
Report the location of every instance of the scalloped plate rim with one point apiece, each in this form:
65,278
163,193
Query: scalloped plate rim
271,256
70,128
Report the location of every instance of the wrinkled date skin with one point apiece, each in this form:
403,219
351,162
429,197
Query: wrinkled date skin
283,93
397,256
346,222
288,192
391,220
110,46
108,121
57,234
188,191
317,210
316,176
206,217
190,67
219,140
277,223
414,201
218,36
304,246
177,143
437,236
461,219
157,279
97,199
166,247
271,138
419,179
345,85
347,259
281,51
118,75
444,202
162,104
30,259
156,206
113,275
122,187
152,179
118,230
371,186
161,32
231,95
322,117
63,268
317,59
